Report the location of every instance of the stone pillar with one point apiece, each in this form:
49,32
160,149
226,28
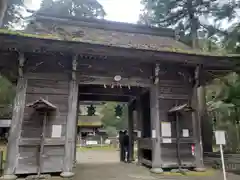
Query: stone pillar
130,131
16,123
155,125
71,124
197,99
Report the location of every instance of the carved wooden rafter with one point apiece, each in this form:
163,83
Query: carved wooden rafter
74,66
198,76
156,74
21,61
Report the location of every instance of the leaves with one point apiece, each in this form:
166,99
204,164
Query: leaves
195,20
7,93
78,8
16,12
109,117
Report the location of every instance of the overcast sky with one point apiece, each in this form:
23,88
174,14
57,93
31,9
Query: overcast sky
117,10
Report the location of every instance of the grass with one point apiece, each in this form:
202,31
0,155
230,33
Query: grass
3,147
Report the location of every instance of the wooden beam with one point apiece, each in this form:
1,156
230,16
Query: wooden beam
109,81
36,44
108,90
155,127
139,122
103,98
16,123
130,132
197,121
71,124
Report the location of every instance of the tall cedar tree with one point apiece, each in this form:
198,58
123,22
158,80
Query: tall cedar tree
229,11
184,15
78,8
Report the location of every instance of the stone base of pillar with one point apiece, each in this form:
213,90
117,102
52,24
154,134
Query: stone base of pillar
202,169
138,162
67,174
156,170
9,177
75,164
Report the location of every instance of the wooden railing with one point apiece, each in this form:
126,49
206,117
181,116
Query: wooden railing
231,161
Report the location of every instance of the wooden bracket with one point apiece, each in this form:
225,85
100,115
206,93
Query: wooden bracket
198,76
74,66
156,75
21,61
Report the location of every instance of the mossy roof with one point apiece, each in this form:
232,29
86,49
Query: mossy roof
117,39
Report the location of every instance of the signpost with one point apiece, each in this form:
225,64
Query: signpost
220,140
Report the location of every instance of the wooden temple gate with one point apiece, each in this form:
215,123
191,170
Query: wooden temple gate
163,88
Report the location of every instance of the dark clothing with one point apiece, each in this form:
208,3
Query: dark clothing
126,140
122,153
121,146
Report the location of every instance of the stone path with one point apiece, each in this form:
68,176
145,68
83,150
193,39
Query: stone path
104,165
97,156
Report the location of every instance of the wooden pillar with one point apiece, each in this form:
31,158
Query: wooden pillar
16,123
139,129
155,124
206,122
71,124
75,147
130,131
197,121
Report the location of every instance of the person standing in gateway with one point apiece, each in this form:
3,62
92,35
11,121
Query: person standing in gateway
126,146
121,146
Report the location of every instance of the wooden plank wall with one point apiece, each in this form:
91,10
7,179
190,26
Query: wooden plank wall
54,89
175,89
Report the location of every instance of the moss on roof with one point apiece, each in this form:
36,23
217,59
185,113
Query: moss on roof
115,42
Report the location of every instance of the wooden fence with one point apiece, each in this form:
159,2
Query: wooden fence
231,161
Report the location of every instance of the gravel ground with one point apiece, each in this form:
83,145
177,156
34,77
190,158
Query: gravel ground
104,165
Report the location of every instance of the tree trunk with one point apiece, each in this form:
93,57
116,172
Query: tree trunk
3,8
193,24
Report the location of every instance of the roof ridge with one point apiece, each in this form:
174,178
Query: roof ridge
106,25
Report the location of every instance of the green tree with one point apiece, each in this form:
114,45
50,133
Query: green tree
229,12
232,39
11,12
7,93
223,97
15,13
109,118
183,15
3,8
77,8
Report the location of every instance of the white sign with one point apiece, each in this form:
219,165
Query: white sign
139,134
185,133
166,129
220,137
167,140
90,142
56,131
154,133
